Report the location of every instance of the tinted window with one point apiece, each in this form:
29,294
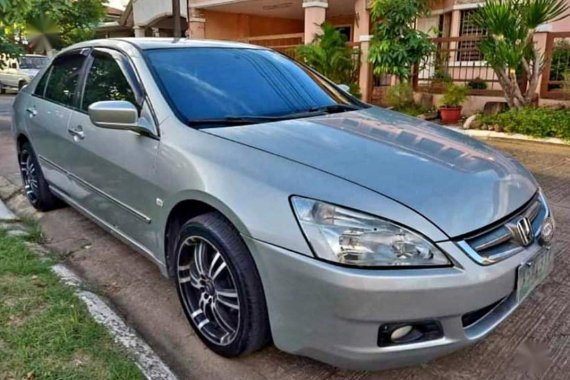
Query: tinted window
40,88
209,83
64,78
106,81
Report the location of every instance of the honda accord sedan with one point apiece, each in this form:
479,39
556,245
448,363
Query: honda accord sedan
284,209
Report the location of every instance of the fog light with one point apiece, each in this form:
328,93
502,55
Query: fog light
400,333
392,334
547,231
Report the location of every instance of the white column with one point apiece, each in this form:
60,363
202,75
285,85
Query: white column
315,15
139,31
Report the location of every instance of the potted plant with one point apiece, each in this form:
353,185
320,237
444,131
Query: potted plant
451,103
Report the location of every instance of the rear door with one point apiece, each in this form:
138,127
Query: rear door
49,111
116,167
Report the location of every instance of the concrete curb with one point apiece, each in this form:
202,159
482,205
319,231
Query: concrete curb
493,135
146,359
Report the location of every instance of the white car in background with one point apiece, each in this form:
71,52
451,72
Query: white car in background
15,73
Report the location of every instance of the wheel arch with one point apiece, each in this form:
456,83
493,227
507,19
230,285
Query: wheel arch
188,208
21,138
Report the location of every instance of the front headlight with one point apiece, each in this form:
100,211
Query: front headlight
354,238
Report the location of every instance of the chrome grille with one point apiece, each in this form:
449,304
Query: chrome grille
502,241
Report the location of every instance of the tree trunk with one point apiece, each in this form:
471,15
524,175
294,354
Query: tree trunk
176,16
509,83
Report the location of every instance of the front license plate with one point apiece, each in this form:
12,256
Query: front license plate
533,272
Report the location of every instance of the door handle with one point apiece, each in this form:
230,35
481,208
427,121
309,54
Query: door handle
76,132
32,111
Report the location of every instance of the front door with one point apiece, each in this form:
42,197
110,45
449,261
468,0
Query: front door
116,167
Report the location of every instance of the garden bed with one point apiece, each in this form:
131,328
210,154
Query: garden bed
531,121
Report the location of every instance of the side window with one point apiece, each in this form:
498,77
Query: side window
41,87
106,81
63,80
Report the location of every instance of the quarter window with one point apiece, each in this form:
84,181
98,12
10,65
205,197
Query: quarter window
106,81
41,87
63,79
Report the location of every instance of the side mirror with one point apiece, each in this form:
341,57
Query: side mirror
114,114
344,87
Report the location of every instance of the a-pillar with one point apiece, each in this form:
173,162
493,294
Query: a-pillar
315,15
196,24
362,35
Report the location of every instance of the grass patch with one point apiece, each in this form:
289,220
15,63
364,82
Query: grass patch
46,332
533,121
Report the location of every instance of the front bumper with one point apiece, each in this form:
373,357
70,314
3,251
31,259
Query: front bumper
333,314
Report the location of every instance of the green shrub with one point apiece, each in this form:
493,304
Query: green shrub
401,98
331,56
454,95
400,95
537,122
477,84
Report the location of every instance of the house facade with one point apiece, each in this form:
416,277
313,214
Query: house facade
284,24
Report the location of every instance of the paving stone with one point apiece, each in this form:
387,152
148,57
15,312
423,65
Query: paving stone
6,214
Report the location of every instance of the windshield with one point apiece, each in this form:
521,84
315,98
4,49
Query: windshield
27,62
222,83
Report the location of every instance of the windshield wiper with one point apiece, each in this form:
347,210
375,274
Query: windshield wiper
233,120
334,108
244,120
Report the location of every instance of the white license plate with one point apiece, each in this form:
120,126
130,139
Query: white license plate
533,272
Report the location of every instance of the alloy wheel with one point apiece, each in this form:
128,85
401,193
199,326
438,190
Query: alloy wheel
29,176
208,290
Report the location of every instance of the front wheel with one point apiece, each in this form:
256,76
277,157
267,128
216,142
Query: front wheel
219,287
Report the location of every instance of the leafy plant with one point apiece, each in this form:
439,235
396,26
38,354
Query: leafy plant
477,84
454,96
330,55
72,20
12,12
397,46
533,121
400,96
509,44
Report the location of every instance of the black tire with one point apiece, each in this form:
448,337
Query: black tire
251,332
2,89
21,85
35,186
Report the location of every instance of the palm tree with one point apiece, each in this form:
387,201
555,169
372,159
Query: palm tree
509,45
330,55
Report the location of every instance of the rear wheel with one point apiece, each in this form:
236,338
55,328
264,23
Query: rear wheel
219,287
35,185
21,85
2,89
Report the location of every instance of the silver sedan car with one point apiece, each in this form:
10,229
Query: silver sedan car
283,208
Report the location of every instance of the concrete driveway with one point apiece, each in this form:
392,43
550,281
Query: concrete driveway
533,343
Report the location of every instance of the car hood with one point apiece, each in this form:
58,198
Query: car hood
458,183
30,72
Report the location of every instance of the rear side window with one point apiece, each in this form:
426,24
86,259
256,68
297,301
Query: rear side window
106,81
62,83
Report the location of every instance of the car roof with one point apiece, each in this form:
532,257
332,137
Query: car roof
163,43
